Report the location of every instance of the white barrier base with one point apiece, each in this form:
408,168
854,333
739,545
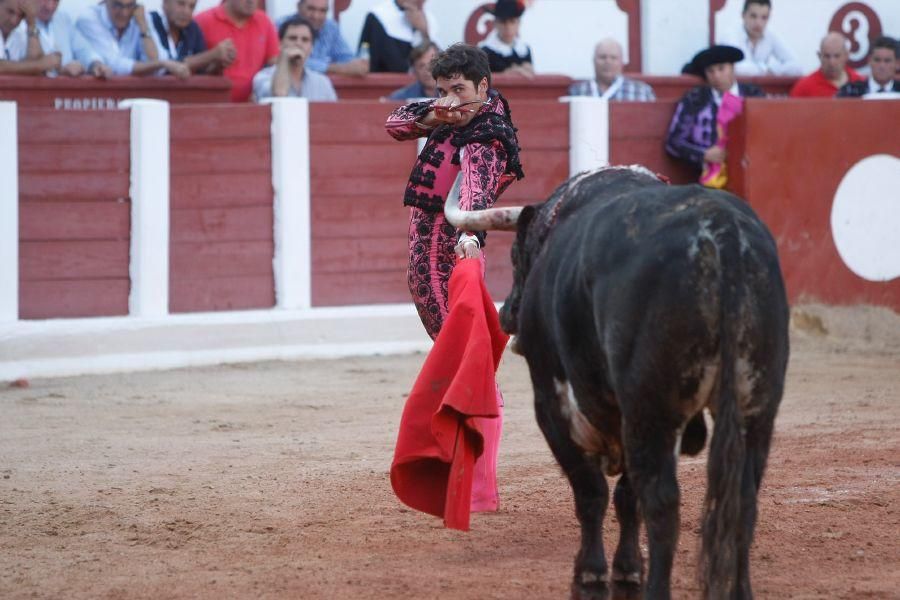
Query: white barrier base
64,347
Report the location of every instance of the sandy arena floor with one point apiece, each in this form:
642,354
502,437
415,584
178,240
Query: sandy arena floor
269,480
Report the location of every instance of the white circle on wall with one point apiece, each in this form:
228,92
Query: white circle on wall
865,218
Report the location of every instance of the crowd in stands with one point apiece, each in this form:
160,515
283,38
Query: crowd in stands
239,41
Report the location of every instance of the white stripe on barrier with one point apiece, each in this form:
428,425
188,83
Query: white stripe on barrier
149,263
588,133
9,213
292,262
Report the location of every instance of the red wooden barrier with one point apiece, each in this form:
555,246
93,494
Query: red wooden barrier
637,133
359,222
221,241
74,213
88,93
787,159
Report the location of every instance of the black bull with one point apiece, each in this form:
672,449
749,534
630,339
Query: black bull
637,305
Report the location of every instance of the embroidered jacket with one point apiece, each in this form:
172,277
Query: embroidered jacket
693,127
486,150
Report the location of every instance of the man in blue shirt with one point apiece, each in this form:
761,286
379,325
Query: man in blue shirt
330,53
58,34
117,30
178,37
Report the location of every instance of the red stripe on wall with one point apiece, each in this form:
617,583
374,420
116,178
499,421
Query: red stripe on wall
74,213
221,236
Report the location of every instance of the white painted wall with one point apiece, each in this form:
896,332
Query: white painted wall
672,33
801,24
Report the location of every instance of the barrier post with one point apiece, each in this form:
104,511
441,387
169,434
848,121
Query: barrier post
292,262
588,133
9,213
149,191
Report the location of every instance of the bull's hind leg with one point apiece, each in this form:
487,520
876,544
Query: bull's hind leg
591,578
650,450
627,566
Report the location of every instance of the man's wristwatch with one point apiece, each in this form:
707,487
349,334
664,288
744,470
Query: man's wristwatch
145,34
33,31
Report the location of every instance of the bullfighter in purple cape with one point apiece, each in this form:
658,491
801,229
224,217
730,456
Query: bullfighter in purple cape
692,133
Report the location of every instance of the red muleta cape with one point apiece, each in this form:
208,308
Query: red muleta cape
441,430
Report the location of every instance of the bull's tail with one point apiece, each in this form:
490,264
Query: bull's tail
722,520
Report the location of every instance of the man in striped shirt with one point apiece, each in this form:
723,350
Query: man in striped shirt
609,82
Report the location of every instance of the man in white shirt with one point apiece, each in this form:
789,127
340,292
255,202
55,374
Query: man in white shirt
58,34
390,32
764,54
20,48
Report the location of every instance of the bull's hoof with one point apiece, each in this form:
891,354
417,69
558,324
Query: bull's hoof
589,585
632,577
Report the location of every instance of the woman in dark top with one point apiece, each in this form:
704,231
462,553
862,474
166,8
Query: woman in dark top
507,53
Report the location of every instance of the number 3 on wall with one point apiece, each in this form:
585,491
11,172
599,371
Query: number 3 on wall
860,23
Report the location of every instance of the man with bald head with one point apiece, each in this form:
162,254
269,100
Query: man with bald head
834,72
608,82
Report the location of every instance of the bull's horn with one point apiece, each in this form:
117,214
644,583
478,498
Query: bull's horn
503,219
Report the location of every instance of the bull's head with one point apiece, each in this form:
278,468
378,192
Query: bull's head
503,219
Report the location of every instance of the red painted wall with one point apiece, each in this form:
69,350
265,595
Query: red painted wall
789,157
221,239
74,213
637,132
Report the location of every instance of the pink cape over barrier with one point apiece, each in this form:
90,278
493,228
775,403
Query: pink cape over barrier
714,174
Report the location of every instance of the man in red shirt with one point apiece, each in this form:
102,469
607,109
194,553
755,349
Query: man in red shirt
254,37
833,74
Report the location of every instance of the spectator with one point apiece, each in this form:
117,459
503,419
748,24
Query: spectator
833,74
764,54
506,52
58,34
289,75
20,49
424,86
330,53
608,80
692,133
883,67
391,31
117,31
178,37
254,37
